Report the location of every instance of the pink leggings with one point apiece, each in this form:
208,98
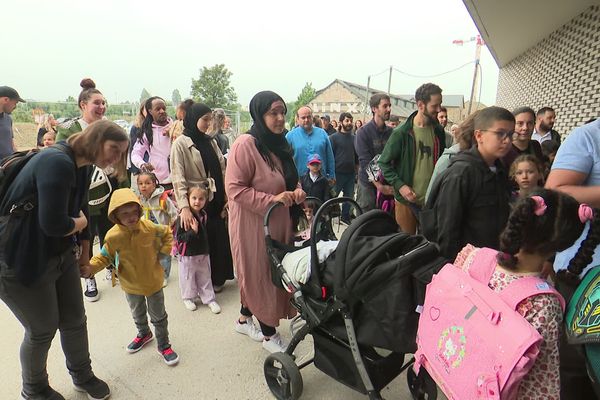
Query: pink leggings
194,278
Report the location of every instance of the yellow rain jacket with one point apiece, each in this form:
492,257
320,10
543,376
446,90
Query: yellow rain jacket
133,251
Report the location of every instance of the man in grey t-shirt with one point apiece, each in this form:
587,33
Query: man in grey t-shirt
8,102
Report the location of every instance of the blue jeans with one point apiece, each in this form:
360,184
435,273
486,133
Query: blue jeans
344,183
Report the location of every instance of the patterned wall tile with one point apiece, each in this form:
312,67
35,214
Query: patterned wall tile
562,72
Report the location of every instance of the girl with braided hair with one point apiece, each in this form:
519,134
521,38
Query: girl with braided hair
539,225
154,139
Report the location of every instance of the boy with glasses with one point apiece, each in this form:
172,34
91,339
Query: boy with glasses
469,201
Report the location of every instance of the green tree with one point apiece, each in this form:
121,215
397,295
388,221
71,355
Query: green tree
306,95
176,97
144,96
213,88
71,99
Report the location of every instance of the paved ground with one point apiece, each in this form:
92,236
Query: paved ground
216,362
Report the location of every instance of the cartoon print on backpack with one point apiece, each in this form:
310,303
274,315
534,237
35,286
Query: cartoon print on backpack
452,345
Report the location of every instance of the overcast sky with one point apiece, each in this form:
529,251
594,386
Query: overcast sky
126,45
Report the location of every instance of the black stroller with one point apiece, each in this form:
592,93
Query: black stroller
359,305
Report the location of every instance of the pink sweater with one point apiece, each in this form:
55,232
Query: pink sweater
159,152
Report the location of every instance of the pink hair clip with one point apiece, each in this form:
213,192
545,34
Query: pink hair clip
586,213
540,205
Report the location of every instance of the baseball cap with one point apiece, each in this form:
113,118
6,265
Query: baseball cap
314,159
7,91
326,117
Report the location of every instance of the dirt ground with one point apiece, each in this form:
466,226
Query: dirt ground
25,134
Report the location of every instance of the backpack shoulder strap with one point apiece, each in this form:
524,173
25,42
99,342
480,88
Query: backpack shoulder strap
162,201
483,265
523,288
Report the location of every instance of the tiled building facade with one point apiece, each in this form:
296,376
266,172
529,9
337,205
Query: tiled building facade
562,71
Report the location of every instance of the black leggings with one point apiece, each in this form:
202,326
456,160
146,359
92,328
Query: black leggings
99,226
267,330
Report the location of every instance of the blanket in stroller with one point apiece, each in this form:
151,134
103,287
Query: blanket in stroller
297,263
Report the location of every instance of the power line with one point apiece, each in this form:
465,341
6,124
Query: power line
433,76
379,73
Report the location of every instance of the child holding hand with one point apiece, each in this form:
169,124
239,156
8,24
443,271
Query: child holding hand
194,262
132,246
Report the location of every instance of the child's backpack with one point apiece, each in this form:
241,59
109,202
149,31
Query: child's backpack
162,201
471,339
582,321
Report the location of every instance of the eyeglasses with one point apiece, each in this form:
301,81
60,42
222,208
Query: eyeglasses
501,135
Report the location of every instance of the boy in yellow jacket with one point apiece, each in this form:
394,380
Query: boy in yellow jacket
132,246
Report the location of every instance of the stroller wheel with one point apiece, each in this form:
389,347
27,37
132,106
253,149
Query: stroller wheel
422,386
283,376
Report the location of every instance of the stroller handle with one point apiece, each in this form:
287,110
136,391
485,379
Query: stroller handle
314,259
327,205
278,204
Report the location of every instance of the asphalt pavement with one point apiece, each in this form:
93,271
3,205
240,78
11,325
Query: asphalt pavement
215,361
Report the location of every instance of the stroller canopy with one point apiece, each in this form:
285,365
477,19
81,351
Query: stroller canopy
378,274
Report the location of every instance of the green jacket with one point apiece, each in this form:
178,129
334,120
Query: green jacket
397,161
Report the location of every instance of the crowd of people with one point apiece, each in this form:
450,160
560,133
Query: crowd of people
190,187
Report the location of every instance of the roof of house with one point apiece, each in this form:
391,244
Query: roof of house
448,100
402,106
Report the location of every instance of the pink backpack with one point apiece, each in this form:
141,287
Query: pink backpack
470,339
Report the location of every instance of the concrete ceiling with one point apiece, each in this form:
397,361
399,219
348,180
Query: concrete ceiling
510,27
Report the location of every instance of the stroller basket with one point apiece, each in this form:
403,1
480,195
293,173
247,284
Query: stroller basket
333,357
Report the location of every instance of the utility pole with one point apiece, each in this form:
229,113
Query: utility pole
390,81
366,98
478,44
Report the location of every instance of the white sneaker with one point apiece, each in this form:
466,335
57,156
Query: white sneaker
189,304
249,329
109,273
275,344
91,291
214,307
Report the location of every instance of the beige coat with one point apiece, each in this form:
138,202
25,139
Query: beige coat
187,168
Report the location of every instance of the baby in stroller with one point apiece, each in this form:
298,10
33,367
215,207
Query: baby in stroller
358,300
297,263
